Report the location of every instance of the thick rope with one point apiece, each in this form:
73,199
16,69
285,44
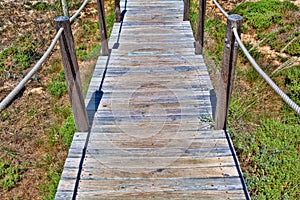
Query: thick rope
221,9
285,98
79,10
38,65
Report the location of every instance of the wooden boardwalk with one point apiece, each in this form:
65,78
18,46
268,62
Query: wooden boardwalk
150,104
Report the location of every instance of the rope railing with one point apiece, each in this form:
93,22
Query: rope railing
233,40
38,65
79,10
284,97
221,9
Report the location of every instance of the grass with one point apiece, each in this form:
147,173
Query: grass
18,57
67,130
10,171
272,159
48,190
264,130
57,86
264,13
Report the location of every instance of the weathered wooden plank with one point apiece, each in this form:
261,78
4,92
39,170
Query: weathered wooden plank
63,195
183,134
104,127
156,162
169,184
66,185
161,153
141,195
161,135
163,173
132,142
69,173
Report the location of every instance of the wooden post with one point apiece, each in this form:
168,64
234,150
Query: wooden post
200,29
69,60
228,70
118,10
103,32
186,10
64,5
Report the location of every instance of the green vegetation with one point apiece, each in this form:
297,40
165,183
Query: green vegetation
67,131
262,14
216,30
264,130
10,171
292,82
44,6
58,86
110,20
271,153
48,190
18,57
56,6
265,14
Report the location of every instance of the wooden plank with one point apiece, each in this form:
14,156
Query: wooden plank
109,128
179,135
141,195
165,152
156,162
160,185
163,173
158,143
63,195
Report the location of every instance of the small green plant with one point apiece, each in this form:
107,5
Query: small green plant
10,172
18,57
292,82
110,20
294,48
264,13
47,191
43,6
67,130
216,30
58,86
81,52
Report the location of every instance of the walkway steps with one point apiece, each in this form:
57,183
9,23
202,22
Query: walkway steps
150,104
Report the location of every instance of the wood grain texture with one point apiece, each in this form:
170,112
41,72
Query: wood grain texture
72,74
152,134
229,61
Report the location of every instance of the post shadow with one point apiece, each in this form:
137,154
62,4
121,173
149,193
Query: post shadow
122,15
213,100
